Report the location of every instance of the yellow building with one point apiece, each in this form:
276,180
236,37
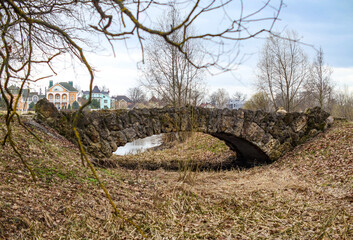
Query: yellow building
22,104
27,98
62,94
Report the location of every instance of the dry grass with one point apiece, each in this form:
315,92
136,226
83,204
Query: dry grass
305,195
199,151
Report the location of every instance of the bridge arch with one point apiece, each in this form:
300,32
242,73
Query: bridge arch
246,151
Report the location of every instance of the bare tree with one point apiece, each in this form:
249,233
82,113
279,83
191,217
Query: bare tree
282,71
239,96
104,88
197,95
136,95
220,98
319,84
78,87
168,72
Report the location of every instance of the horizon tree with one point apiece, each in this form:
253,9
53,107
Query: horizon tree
136,95
258,101
343,104
219,98
95,104
75,105
31,106
319,83
282,71
168,72
239,96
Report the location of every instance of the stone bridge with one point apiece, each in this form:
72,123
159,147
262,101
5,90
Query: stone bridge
255,136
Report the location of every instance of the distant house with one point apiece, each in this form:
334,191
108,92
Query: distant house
35,97
101,96
154,102
62,94
25,99
207,105
22,104
235,104
121,102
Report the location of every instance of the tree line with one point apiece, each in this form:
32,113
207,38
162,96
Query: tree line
285,79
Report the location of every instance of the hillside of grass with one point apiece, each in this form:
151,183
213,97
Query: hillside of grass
307,194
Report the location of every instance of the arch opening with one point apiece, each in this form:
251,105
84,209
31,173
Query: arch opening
248,154
191,151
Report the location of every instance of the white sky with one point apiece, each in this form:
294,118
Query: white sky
320,22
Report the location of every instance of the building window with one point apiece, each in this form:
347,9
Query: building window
64,97
105,101
50,96
72,97
57,97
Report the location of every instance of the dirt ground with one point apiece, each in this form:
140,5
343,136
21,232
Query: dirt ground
307,194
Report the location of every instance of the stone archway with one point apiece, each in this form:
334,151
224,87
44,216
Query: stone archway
257,137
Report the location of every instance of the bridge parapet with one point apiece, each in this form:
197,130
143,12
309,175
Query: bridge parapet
256,136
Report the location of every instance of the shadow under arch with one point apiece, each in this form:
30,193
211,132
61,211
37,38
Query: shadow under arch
248,154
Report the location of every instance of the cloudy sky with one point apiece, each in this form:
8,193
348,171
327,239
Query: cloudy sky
321,23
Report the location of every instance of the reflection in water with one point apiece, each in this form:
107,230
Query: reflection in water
140,145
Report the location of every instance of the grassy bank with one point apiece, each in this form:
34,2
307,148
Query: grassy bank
307,194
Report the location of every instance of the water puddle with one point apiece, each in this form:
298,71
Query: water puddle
140,145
